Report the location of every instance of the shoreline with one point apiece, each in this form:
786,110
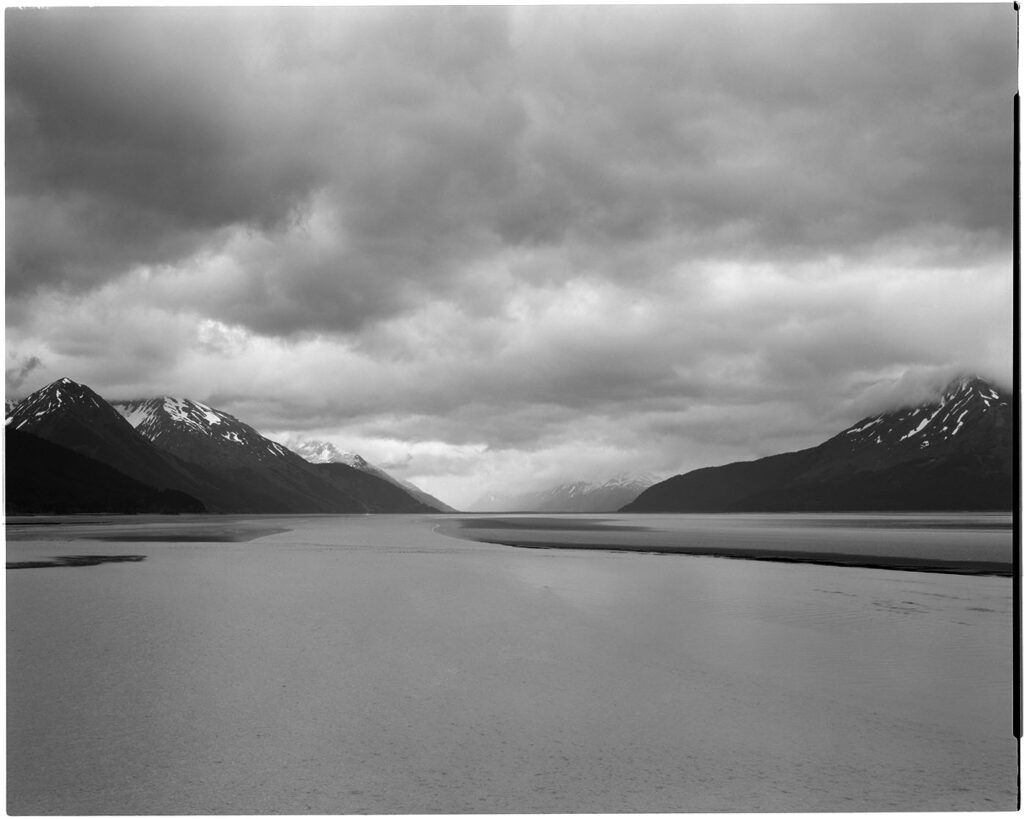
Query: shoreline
228,529
904,564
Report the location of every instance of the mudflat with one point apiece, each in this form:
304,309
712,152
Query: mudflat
144,528
964,543
376,665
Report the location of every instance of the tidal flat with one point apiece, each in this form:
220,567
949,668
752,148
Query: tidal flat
357,664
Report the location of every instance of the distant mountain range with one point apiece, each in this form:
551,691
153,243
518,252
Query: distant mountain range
576,496
192,456
950,453
69,450
324,452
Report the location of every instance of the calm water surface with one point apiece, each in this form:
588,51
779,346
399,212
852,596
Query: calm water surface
358,664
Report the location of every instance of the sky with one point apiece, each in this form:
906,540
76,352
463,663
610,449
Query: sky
496,248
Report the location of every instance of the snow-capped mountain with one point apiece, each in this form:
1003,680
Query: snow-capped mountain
324,452
575,496
72,416
220,462
952,452
968,410
217,440
64,396
199,433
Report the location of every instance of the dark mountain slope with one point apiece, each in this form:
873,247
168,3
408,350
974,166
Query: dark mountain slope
73,416
276,479
376,494
43,478
201,434
323,452
948,454
207,454
231,449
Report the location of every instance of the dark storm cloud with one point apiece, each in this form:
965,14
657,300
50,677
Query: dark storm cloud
529,237
428,141
136,136
132,137
796,128
15,376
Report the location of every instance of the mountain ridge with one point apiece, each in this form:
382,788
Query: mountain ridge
208,454
324,452
571,496
950,452
73,416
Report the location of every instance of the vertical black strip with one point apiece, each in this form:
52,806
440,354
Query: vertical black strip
1016,422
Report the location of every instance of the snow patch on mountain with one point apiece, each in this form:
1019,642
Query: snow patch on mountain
944,416
61,395
134,415
157,418
324,452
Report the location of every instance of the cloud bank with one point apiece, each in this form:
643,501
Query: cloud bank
511,243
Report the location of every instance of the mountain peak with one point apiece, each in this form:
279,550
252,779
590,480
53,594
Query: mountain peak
630,479
950,452
324,452
64,395
65,384
939,422
182,411
181,425
219,462
966,384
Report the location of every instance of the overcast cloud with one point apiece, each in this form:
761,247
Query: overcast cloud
510,246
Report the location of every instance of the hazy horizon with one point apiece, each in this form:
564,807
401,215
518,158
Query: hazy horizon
513,245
